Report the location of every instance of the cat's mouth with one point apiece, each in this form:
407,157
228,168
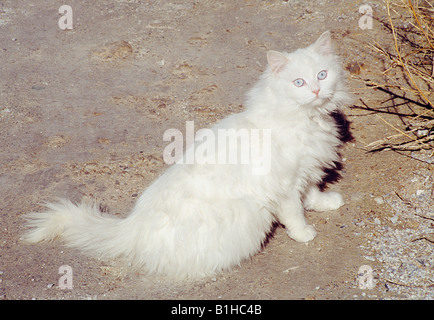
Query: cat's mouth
321,99
318,100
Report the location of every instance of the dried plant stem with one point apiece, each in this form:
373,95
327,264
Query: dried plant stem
400,57
407,79
409,285
420,26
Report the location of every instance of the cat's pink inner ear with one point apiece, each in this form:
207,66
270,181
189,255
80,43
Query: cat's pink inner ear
276,60
324,44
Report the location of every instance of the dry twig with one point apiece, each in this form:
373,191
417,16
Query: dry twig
408,76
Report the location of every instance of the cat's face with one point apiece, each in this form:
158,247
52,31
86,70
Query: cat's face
307,76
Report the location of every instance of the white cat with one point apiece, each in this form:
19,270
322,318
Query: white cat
198,219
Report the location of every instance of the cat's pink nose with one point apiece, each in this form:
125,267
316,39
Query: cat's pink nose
316,92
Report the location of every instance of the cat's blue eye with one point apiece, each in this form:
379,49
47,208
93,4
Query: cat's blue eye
299,82
322,75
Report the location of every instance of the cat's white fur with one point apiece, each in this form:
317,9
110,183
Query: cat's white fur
198,219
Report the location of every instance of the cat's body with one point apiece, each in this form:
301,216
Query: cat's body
198,219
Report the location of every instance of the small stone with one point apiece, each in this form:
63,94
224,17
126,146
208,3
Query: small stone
420,192
394,219
379,200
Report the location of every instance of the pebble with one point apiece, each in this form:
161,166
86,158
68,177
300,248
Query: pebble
5,111
404,257
394,219
379,200
420,192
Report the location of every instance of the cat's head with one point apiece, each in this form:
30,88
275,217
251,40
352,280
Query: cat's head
310,76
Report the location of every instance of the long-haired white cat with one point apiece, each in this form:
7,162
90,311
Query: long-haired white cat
198,219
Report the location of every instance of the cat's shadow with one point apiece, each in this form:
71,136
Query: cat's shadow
333,174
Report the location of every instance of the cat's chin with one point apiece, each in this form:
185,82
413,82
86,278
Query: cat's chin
318,102
322,100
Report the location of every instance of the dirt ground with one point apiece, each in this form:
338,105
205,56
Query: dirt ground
83,112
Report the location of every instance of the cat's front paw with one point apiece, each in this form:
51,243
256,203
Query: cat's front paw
324,201
333,201
305,234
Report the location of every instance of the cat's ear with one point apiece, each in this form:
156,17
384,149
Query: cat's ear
324,44
276,60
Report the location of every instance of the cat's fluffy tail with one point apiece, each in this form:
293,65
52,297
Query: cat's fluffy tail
81,226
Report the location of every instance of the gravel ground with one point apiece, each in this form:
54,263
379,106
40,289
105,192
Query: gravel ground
402,242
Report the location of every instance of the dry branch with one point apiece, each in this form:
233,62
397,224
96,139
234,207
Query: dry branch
408,74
